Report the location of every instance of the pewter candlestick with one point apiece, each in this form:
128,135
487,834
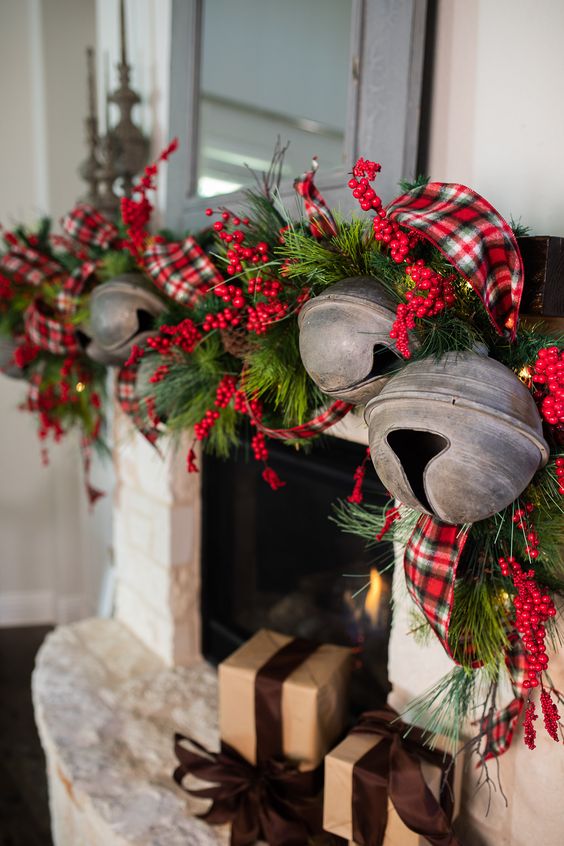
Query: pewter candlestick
88,170
130,146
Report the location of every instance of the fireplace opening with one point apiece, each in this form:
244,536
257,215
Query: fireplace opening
273,559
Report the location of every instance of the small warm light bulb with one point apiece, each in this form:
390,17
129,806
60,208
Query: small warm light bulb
80,386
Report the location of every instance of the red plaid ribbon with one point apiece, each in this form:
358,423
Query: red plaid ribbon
67,298
29,267
182,271
310,429
131,404
48,333
321,221
86,225
474,238
500,726
430,562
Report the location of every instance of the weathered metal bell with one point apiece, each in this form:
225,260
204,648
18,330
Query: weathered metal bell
345,341
7,366
459,437
122,313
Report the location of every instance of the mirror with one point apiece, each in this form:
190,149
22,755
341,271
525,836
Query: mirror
262,76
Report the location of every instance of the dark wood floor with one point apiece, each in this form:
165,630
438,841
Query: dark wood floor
24,813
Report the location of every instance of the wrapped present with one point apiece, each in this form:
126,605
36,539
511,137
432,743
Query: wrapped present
283,702
314,701
385,787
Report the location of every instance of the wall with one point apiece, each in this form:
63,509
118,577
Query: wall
497,123
52,553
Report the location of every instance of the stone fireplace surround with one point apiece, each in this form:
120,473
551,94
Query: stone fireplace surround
109,693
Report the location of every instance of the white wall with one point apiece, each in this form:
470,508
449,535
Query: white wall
52,553
497,118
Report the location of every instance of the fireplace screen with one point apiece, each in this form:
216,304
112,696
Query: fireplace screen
274,559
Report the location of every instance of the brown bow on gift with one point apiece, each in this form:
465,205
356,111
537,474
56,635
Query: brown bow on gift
391,771
271,800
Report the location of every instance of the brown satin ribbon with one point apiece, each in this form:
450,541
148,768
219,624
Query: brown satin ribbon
272,800
269,681
391,771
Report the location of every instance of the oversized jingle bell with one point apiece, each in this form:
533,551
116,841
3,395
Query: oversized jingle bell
345,342
7,365
458,437
122,313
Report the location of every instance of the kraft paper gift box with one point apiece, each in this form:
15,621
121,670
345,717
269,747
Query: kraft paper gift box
338,791
314,699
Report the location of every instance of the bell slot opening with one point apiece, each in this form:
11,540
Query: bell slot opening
145,320
415,449
83,339
384,361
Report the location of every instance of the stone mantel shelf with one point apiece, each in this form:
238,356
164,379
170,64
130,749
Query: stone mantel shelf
106,709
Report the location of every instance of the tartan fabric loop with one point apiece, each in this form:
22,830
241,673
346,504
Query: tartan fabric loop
475,238
431,559
86,225
48,333
131,404
182,271
314,427
321,221
26,266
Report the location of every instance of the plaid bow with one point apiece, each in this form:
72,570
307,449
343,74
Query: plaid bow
430,563
67,298
86,225
474,238
321,221
131,403
182,271
48,333
499,727
28,267
314,427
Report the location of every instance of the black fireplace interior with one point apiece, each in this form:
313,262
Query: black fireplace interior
273,559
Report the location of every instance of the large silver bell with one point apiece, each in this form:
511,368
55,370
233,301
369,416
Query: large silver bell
345,341
459,437
122,313
7,366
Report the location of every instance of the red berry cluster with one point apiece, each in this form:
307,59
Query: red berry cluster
386,231
25,353
523,521
258,446
223,396
549,371
160,373
206,424
392,514
267,287
221,320
230,294
550,714
560,474
356,496
532,609
530,734
6,289
260,316
431,295
136,213
389,232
